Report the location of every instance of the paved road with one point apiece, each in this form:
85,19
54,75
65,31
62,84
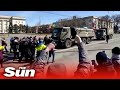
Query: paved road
70,56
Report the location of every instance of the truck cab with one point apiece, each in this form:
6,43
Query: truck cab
64,36
100,34
103,32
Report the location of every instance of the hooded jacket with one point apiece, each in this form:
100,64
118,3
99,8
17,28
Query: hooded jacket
116,62
105,70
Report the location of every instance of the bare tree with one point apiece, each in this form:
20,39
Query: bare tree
20,28
116,18
106,17
16,28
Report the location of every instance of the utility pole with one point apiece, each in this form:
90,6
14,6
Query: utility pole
37,27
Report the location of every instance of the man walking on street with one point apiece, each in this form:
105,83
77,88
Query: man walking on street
107,38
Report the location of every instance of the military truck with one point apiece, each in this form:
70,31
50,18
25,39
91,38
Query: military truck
65,36
102,32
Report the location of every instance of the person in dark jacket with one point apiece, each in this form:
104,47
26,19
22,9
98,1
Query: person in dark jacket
16,48
11,44
104,68
22,49
46,39
116,59
32,46
107,38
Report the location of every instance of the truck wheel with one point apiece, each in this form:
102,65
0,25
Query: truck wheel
68,43
84,40
88,40
104,37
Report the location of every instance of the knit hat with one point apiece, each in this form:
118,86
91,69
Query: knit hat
101,57
116,50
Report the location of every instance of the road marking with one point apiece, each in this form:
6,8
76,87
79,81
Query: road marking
74,47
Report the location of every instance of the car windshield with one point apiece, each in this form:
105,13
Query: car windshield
56,32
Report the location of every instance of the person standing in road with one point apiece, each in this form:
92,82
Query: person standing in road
52,50
107,38
46,40
11,44
16,48
4,44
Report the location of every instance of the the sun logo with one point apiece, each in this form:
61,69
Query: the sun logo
21,72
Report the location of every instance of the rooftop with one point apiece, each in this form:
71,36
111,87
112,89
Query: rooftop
14,17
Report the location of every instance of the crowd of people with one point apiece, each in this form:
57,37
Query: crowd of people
27,48
102,67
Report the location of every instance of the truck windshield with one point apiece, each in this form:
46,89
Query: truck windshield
56,32
100,31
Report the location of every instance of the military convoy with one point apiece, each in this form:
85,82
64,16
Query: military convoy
65,36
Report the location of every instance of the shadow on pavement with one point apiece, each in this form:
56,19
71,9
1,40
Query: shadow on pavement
66,51
104,43
99,49
87,50
97,40
16,62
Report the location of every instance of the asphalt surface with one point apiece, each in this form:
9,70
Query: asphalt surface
70,56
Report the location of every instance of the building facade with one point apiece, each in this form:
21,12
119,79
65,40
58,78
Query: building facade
4,22
96,23
91,22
